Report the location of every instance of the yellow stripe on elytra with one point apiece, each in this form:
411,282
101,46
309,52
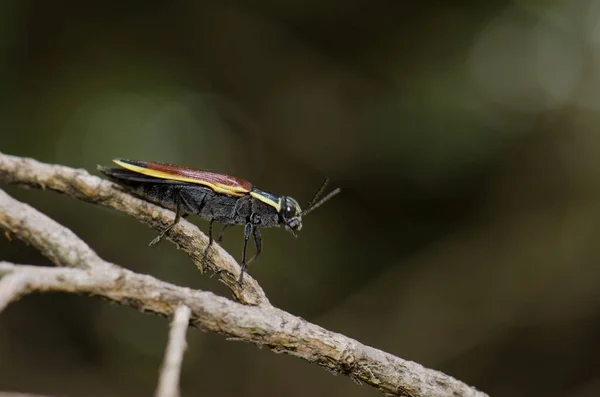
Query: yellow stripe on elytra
268,201
217,187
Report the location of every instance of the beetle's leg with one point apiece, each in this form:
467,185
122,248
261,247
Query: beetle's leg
210,241
222,234
248,229
175,221
257,243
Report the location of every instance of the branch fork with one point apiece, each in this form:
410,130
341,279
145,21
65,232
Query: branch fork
250,317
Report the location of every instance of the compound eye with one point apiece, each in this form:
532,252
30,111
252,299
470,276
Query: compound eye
290,211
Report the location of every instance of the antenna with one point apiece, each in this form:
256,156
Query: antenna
312,205
317,194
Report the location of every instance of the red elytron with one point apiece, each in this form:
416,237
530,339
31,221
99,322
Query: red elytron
220,183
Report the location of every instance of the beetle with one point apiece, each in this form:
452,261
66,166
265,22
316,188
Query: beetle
215,197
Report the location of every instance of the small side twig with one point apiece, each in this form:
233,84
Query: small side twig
168,382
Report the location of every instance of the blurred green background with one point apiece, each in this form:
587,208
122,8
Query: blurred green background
465,137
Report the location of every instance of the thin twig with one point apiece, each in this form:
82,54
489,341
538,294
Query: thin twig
56,242
168,383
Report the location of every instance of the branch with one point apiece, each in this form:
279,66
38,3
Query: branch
168,384
262,325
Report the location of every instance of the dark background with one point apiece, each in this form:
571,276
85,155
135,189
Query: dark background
465,136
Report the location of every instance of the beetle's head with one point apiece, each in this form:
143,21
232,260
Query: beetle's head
291,214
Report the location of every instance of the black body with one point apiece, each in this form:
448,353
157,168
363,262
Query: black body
197,199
